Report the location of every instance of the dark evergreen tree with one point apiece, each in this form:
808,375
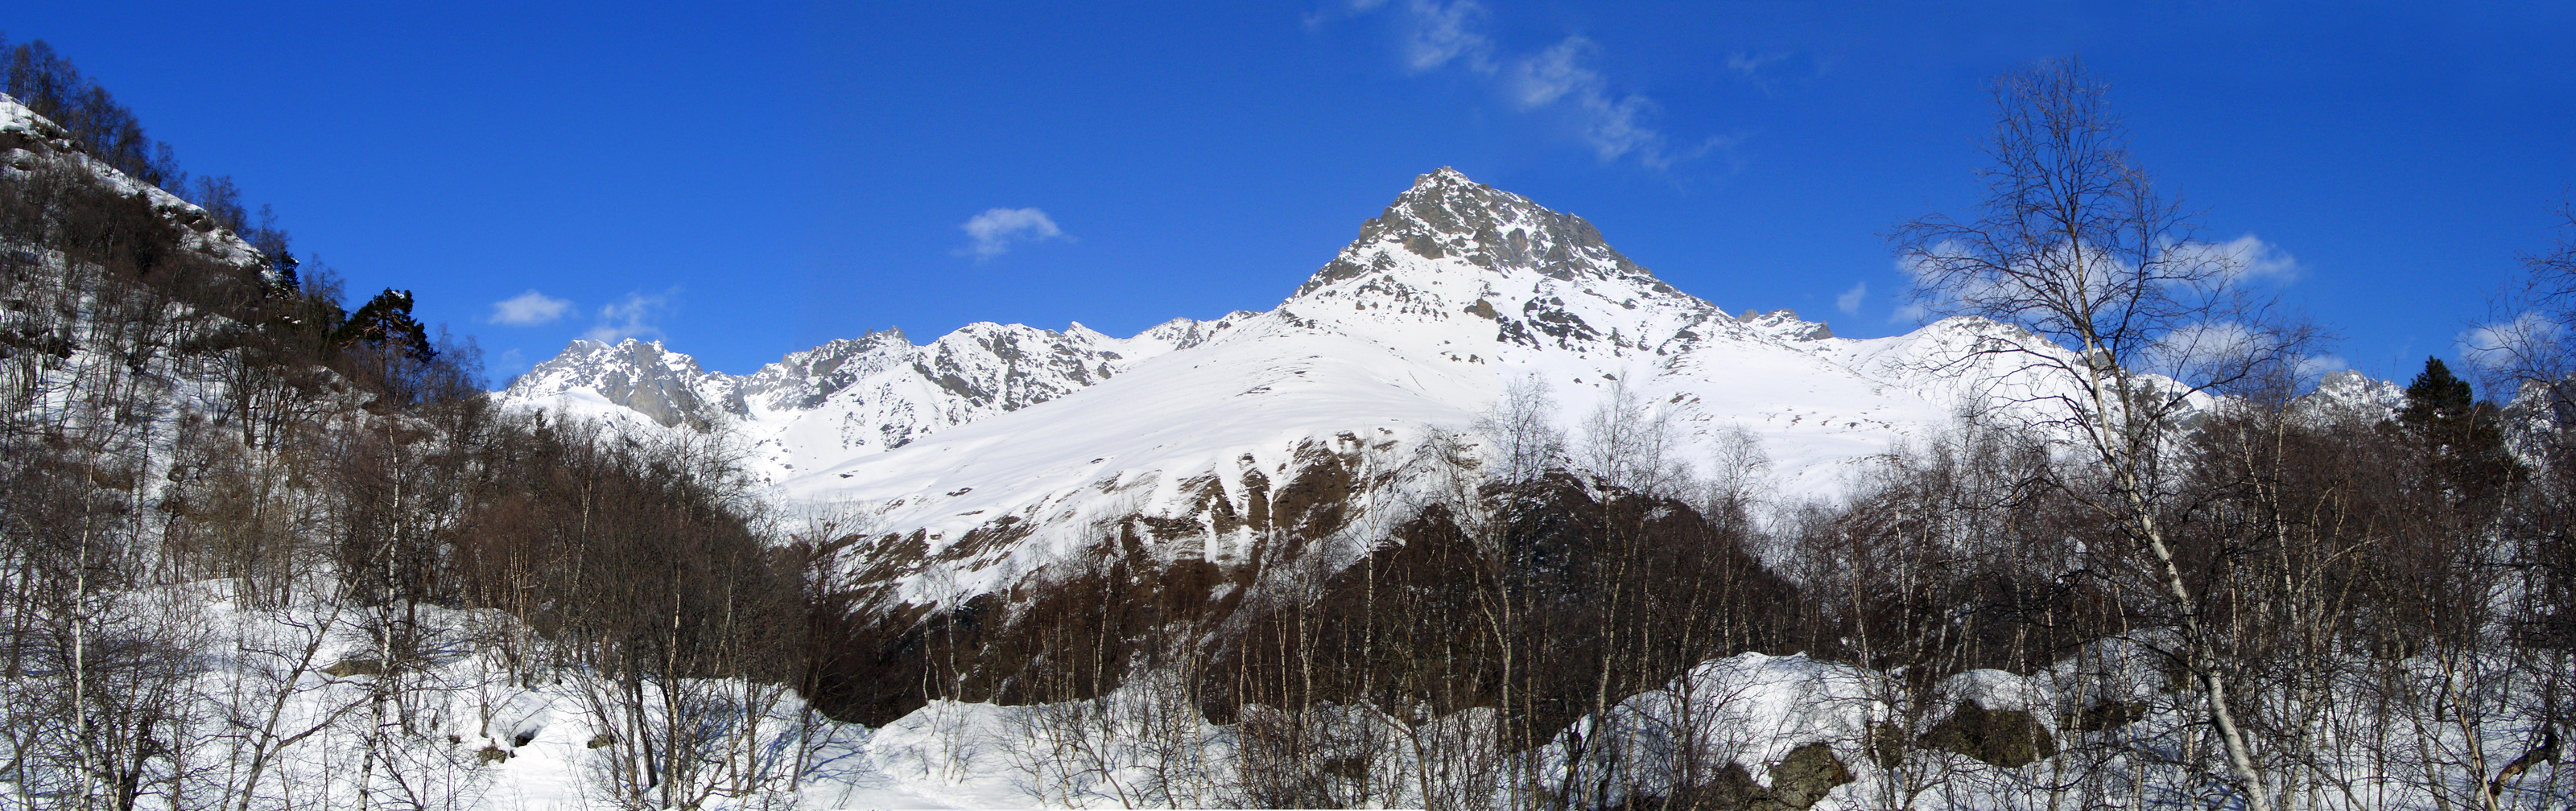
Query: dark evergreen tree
283,279
2435,395
2465,436
386,321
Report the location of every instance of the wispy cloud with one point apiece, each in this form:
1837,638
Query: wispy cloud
1441,34
2200,343
529,309
1920,270
2245,258
2311,367
1849,301
2500,344
1561,78
633,316
997,229
1770,71
1751,64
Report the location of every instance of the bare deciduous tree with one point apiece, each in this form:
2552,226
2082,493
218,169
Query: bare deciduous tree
2075,246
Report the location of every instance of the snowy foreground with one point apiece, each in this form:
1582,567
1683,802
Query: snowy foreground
304,723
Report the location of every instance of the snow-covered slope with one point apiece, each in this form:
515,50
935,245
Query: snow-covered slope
1003,449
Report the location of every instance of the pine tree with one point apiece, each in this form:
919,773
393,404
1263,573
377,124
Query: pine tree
2435,397
2465,436
387,319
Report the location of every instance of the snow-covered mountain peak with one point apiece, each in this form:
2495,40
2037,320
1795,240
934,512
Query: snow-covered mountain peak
1001,450
1447,228
2353,396
1477,272
666,387
1784,325
852,395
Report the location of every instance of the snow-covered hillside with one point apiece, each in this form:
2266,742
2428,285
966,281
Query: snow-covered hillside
29,142
1417,326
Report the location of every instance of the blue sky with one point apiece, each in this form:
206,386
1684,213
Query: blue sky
744,180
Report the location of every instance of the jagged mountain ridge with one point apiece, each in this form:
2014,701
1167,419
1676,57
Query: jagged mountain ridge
848,396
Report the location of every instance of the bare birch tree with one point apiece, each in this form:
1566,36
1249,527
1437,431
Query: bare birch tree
2075,246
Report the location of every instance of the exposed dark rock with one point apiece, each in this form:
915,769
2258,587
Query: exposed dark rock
2007,738
354,667
1797,783
2108,715
1806,775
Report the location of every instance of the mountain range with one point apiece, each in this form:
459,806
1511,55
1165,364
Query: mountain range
998,450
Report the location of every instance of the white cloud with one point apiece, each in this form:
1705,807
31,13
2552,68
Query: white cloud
2221,344
2240,260
2311,367
1959,276
1923,270
2209,339
1441,34
1849,301
1540,80
996,229
2502,343
2257,259
1325,16
630,317
1612,123
529,309
1561,78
